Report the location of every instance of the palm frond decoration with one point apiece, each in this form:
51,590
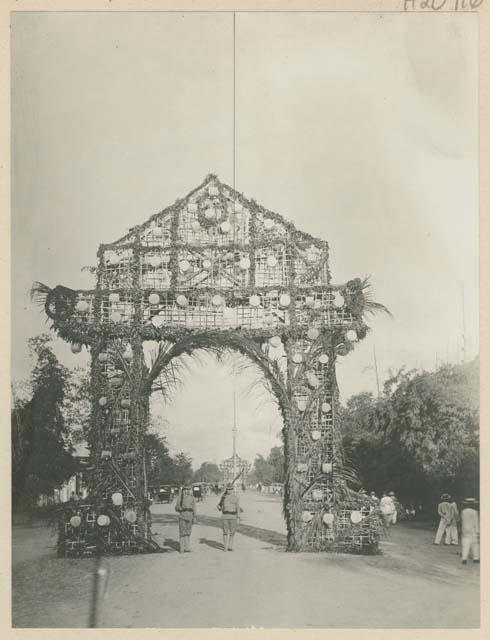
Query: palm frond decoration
372,307
39,293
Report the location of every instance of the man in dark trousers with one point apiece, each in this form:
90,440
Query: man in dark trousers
229,505
186,508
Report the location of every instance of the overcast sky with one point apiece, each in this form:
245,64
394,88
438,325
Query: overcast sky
360,128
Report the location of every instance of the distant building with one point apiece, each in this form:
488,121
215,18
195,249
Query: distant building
234,465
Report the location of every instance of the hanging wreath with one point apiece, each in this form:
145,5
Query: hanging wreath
212,210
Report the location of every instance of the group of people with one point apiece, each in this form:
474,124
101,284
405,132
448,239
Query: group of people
450,518
229,505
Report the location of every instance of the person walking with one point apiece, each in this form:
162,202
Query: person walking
445,512
186,508
470,531
229,505
396,507
453,523
387,507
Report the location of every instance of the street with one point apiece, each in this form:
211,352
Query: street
411,584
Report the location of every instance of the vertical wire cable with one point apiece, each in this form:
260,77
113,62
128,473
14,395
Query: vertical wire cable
234,100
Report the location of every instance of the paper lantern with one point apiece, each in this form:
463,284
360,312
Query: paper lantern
306,516
316,435
285,300
309,301
356,517
195,226
271,261
82,306
114,297
313,333
269,224
311,257
313,381
275,341
269,320
317,494
210,213
114,259
323,358
130,516
327,467
328,519
103,401
184,265
326,408
301,405
157,231
351,335
254,301
125,403
117,499
238,207
155,261
317,304
297,358
301,467
153,298
75,521
103,521
76,347
106,455
115,316
207,264
103,356
217,301
244,264
116,381
181,301
192,207
213,191
338,301
128,354
225,227
158,321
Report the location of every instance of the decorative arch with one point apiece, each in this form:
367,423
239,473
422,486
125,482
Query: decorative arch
216,270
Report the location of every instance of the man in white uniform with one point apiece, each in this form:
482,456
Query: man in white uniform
445,512
387,507
470,531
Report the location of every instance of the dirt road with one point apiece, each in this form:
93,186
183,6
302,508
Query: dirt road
413,584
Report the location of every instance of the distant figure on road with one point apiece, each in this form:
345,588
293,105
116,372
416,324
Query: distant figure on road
229,505
445,512
186,508
470,531
259,487
387,507
396,507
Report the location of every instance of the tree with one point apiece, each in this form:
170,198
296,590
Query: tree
182,468
208,472
277,462
159,463
263,471
41,451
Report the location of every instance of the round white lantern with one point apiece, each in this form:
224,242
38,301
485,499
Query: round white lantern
271,261
306,516
323,358
114,259
213,191
103,521
207,264
116,381
238,207
311,257
181,300
102,401
155,261
153,298
244,264
326,407
103,356
217,301
356,517
128,354
309,301
269,320
351,335
338,301
75,521
184,265
327,467
115,316
114,297
275,341
313,381
285,300
157,321
317,494
269,224
313,333
297,357
210,213
254,301
328,519
302,405
316,435
82,306
195,226
125,403
192,207
130,516
225,227
301,467
76,347
117,499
